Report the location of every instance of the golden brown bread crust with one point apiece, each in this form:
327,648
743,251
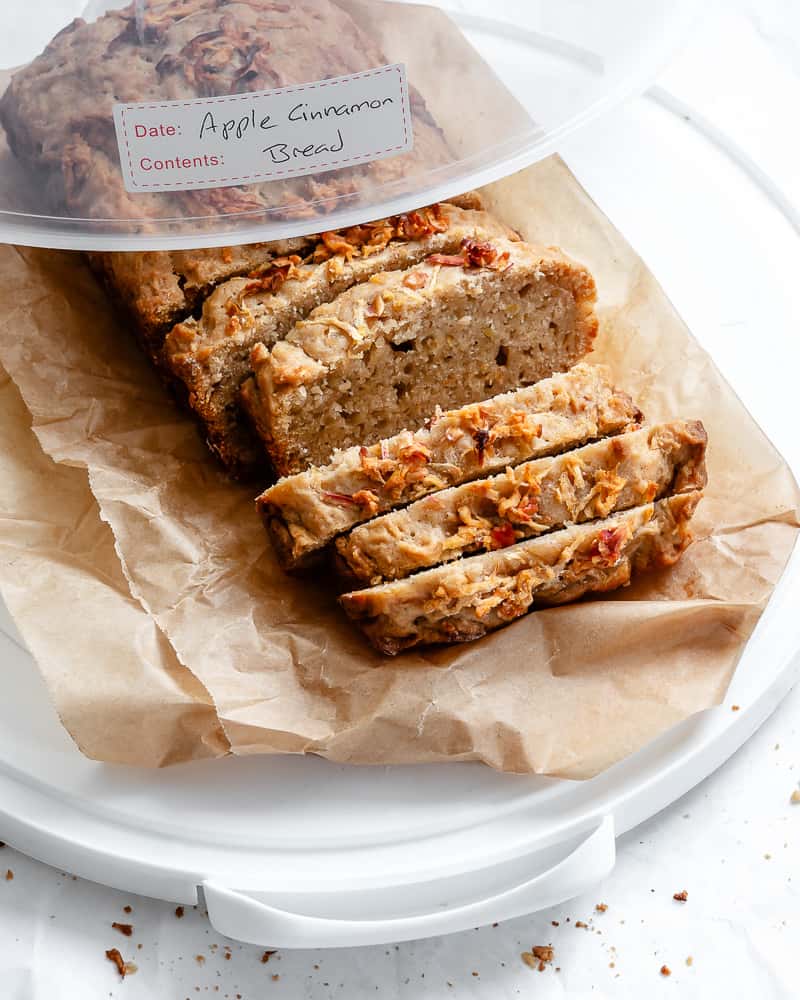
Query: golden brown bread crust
468,598
591,482
304,512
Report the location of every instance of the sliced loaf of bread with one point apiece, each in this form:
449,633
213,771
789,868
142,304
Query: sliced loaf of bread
210,356
159,288
456,328
470,597
304,512
590,482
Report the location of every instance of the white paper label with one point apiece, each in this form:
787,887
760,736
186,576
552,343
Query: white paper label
264,136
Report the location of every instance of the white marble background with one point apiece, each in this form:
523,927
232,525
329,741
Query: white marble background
732,843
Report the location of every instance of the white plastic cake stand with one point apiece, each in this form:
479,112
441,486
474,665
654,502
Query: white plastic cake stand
299,852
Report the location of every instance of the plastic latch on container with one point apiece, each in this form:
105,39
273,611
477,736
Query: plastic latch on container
241,916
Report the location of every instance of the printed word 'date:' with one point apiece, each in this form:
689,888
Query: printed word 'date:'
154,131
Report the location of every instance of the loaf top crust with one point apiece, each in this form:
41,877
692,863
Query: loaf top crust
190,49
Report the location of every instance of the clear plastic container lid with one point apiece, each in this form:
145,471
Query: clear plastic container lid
166,124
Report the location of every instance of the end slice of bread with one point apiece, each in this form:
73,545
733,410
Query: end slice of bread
591,482
304,512
466,599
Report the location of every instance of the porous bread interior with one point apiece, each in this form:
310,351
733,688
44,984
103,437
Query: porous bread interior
466,347
214,364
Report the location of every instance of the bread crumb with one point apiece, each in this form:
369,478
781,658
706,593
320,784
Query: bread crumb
179,912
127,909
795,797
580,923
123,968
200,959
689,960
601,907
268,954
612,965
114,956
9,875
665,970
538,957
275,977
734,708
555,923
474,973
126,929
681,896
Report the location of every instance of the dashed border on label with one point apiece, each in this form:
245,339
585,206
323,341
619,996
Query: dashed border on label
269,174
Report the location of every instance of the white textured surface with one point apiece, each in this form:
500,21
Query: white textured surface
740,923
732,842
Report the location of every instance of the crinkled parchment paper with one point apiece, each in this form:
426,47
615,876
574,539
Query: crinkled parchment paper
565,691
117,683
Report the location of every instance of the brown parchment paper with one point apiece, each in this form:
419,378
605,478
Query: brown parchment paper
565,691
113,675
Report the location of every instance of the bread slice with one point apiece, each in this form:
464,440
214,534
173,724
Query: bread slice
304,512
210,356
451,330
591,482
466,599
